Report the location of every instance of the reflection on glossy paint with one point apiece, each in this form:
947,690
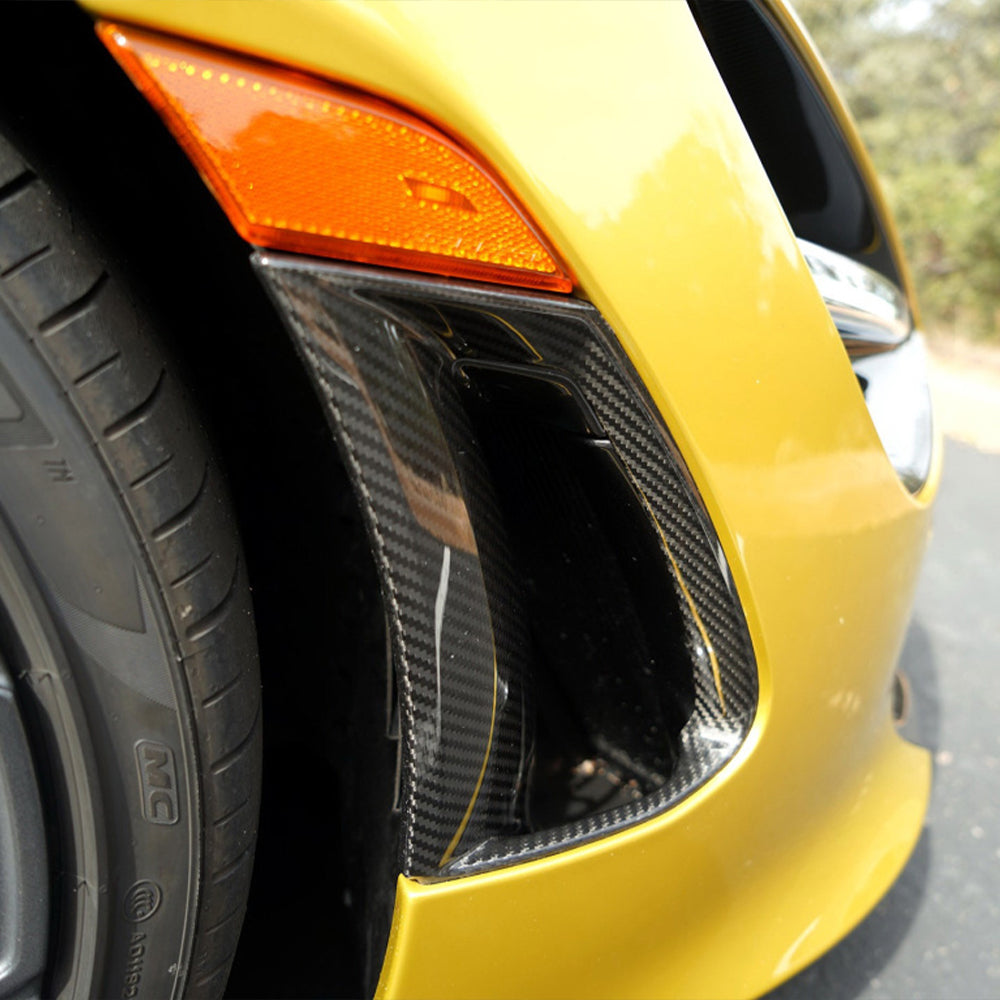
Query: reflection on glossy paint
847,702
722,741
812,493
437,505
636,138
439,602
787,961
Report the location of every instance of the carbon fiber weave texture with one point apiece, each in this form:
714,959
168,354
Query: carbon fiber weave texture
451,667
380,347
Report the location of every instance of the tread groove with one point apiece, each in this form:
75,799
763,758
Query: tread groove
219,923
15,186
26,262
76,308
223,873
216,696
190,574
226,817
206,977
138,413
150,473
98,369
226,759
208,621
176,521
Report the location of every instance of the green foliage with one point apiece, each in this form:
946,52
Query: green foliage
922,78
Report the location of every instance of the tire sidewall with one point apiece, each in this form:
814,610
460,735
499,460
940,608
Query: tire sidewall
123,687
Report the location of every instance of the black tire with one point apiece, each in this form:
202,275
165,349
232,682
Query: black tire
126,614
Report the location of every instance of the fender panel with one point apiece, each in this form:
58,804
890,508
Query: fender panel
613,127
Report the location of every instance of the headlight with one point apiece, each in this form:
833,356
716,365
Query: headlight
888,356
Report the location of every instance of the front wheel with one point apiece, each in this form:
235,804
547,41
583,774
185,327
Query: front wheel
128,664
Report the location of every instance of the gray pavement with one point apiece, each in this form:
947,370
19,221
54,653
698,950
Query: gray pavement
937,933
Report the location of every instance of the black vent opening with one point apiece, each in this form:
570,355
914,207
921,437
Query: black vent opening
569,649
611,680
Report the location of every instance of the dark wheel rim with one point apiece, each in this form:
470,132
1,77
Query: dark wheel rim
24,889
52,866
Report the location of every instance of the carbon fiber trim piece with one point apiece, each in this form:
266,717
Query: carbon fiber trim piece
387,353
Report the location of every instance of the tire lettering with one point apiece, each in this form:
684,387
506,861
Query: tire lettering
157,782
59,471
133,967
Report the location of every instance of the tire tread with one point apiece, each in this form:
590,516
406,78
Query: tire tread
96,344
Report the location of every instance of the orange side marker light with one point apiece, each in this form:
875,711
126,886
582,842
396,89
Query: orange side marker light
302,165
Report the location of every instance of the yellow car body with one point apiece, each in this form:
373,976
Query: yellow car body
612,126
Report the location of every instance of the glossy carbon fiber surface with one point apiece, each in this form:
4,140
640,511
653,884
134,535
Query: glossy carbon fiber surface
458,679
388,354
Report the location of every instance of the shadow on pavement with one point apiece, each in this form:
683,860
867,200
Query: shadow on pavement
918,663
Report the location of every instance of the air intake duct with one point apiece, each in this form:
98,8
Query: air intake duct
569,655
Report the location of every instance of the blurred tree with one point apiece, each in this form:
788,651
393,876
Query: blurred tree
922,78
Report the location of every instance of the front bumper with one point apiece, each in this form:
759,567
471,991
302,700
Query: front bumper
636,164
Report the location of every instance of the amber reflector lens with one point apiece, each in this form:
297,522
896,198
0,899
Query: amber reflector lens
301,165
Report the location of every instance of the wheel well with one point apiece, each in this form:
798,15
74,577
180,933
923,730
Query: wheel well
80,122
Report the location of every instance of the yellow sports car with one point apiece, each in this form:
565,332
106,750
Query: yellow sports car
464,470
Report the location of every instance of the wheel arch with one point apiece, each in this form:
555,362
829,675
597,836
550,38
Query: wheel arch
85,128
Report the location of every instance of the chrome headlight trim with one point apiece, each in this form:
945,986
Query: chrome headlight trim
899,401
869,311
888,356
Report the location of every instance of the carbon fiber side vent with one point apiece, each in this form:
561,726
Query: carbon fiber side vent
568,650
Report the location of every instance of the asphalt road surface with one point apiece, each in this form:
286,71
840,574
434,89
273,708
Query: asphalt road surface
937,933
